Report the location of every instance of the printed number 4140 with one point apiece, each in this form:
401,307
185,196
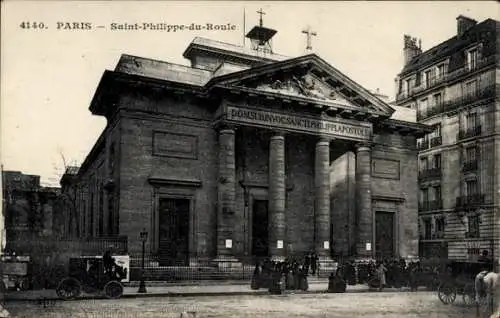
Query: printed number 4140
33,25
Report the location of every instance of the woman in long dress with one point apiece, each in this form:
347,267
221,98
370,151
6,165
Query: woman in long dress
381,270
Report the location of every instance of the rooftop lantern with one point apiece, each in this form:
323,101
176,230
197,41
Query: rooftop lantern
260,36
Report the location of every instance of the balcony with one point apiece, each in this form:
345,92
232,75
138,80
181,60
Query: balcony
423,145
487,92
431,111
471,67
469,201
470,166
433,82
428,174
436,141
430,205
469,133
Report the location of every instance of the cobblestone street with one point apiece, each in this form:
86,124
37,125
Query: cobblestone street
373,305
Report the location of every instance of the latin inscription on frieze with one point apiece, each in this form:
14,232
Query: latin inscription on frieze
385,168
169,144
334,127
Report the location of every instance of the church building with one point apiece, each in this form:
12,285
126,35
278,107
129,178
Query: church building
247,153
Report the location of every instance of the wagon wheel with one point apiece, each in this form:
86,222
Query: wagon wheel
69,288
447,293
113,289
469,294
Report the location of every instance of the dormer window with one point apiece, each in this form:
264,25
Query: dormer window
441,68
430,77
472,58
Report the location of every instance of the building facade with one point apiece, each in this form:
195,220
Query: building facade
454,88
247,153
29,209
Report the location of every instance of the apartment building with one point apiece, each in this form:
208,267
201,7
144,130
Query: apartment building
454,88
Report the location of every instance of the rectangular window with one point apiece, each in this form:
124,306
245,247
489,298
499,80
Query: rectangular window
470,154
424,164
425,195
423,106
473,59
429,77
438,99
427,229
439,226
471,88
441,70
437,161
437,130
471,121
471,188
474,222
437,193
408,86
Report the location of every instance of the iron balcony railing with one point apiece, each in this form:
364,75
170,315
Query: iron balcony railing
436,141
469,133
431,111
432,173
470,98
469,201
430,205
432,82
470,165
423,145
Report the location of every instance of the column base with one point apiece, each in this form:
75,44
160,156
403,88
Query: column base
327,265
278,258
228,263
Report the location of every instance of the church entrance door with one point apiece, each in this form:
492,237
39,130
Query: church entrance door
260,231
173,245
384,235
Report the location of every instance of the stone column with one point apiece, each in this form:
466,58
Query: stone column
364,202
226,189
322,197
277,196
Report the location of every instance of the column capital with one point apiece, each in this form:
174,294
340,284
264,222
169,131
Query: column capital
364,146
322,139
277,135
222,126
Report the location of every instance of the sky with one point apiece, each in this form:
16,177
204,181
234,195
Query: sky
49,75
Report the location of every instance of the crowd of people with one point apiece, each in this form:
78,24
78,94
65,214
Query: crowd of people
292,272
382,273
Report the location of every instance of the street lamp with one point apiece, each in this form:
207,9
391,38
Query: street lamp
142,284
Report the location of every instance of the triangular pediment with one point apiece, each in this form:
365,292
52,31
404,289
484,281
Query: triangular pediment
305,78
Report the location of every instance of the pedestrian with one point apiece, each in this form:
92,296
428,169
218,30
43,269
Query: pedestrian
307,263
314,263
381,272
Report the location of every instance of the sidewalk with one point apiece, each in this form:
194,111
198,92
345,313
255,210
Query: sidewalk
222,289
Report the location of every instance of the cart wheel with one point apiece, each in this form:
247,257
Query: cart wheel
113,290
447,293
469,296
69,288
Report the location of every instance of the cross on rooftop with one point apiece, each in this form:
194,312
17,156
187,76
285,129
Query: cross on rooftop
261,13
309,33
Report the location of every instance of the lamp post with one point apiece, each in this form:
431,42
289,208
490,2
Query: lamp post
142,284
244,178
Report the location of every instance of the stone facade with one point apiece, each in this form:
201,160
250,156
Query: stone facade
310,165
454,88
30,210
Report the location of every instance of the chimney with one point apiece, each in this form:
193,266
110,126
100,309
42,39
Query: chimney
411,49
464,24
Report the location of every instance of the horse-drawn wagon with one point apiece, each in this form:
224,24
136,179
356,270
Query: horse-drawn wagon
457,280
